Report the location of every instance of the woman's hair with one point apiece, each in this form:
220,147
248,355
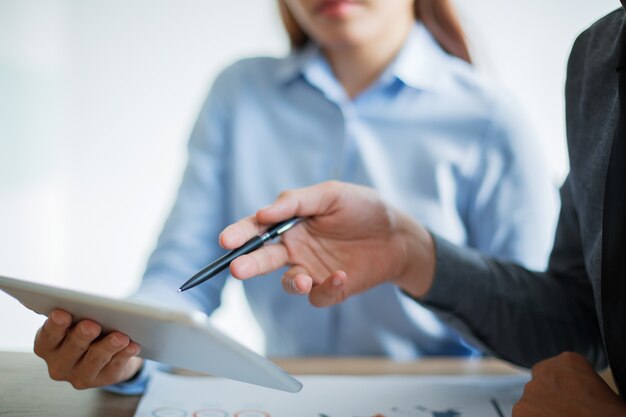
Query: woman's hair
437,15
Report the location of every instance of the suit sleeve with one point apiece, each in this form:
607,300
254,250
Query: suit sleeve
516,314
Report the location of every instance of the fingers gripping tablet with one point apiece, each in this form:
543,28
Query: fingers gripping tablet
179,338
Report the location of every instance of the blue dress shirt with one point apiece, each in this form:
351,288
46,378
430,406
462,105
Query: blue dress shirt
432,136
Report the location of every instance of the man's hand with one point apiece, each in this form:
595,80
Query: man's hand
350,241
76,353
567,386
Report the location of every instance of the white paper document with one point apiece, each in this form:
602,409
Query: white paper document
334,396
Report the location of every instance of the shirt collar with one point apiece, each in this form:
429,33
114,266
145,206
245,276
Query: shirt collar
311,65
294,64
419,64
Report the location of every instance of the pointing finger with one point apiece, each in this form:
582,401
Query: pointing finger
239,233
261,261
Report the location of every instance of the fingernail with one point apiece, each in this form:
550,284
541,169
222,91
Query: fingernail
293,286
132,351
116,342
337,282
86,330
57,318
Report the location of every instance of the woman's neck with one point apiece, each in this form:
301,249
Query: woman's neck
358,67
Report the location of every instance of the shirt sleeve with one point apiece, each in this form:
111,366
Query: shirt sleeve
521,316
137,385
189,238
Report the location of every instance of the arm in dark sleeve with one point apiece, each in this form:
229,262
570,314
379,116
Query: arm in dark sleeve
516,314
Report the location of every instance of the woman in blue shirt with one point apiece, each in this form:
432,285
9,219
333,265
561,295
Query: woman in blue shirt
379,93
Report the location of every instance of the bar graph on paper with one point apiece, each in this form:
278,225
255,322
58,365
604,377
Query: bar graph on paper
334,396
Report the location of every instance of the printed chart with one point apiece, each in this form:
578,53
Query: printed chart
180,412
334,396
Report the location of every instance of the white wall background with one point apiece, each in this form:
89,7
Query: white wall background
97,100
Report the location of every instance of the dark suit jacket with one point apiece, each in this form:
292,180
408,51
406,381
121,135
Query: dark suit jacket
526,316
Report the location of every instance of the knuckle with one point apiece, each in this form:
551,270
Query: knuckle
542,368
56,373
77,342
56,377
568,355
99,359
531,389
271,262
285,194
118,362
79,384
37,350
571,358
520,408
259,261
331,184
49,334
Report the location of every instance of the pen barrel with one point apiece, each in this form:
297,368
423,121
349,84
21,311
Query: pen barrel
223,262
251,245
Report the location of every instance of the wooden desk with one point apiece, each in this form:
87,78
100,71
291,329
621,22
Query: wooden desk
27,391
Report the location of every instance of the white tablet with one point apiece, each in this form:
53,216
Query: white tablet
178,338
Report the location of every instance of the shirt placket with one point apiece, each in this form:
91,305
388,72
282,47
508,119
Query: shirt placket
349,150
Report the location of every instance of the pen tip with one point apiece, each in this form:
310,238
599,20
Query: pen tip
180,290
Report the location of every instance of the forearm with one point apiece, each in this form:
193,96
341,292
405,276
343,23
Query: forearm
415,256
520,315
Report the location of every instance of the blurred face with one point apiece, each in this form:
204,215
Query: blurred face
348,23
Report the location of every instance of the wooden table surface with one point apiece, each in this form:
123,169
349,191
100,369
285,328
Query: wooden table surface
27,391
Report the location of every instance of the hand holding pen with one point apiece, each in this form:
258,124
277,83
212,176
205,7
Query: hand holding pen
253,244
350,241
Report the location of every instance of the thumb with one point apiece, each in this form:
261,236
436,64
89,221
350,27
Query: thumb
315,200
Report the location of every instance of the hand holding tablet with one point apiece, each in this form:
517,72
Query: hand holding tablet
178,338
79,355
